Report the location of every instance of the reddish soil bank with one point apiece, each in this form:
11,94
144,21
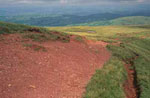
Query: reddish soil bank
61,71
131,86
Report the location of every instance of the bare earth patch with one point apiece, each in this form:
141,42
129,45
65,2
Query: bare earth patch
62,71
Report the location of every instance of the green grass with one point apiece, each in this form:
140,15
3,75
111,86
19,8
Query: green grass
108,81
9,28
12,28
105,33
40,37
79,38
35,47
35,33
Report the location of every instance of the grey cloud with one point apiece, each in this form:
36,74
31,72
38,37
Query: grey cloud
68,1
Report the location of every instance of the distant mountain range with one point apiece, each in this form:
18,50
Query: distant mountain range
90,20
131,20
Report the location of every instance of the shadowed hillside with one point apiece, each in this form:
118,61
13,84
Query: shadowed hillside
134,20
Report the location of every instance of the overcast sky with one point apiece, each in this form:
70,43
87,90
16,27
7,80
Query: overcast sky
70,2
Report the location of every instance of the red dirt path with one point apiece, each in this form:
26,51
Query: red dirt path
61,72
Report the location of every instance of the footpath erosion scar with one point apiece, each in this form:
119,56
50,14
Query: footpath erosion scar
49,69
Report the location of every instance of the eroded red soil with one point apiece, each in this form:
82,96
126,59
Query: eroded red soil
131,87
62,71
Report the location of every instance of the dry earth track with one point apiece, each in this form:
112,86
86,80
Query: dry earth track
62,71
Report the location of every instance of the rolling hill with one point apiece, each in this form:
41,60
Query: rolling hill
89,20
58,20
132,20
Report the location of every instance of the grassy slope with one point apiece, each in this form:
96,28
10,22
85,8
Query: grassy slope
105,33
133,20
108,82
18,28
42,34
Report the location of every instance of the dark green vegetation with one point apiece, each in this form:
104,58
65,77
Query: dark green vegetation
133,20
34,33
12,28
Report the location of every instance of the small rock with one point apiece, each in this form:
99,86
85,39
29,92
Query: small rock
32,86
9,85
